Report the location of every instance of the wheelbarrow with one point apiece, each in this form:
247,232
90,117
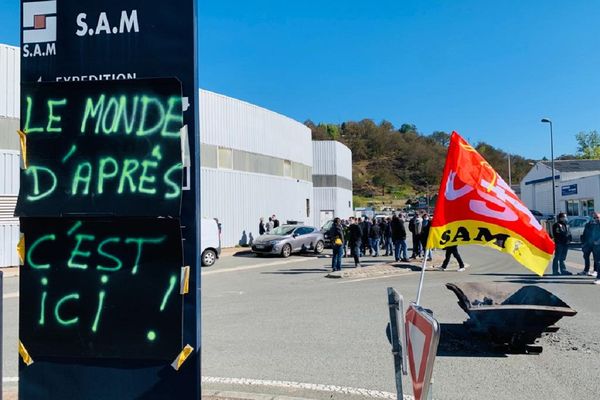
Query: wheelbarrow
510,314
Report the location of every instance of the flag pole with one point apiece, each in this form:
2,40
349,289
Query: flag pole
423,267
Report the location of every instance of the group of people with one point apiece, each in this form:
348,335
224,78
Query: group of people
590,245
267,227
362,235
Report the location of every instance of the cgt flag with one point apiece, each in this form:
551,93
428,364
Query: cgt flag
476,206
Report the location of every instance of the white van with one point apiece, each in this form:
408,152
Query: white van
210,241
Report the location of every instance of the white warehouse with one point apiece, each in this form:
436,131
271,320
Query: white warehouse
10,77
332,181
255,163
577,188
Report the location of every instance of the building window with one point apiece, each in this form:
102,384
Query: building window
225,158
572,207
307,208
287,168
587,207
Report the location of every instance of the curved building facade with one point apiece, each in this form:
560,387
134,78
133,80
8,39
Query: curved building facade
255,163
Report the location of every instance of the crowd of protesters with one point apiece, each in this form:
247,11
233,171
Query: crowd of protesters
385,236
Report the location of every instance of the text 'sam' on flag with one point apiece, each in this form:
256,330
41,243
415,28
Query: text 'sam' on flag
476,206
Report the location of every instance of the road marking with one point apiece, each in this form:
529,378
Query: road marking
380,277
10,295
376,394
10,379
248,267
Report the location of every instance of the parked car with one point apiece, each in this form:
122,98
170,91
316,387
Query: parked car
210,241
540,216
288,239
576,225
325,231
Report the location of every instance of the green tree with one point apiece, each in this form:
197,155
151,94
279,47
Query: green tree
441,137
405,128
588,145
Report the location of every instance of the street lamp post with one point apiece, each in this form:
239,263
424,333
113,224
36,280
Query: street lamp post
509,174
546,120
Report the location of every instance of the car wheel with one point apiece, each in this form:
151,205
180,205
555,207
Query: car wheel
319,247
208,258
286,251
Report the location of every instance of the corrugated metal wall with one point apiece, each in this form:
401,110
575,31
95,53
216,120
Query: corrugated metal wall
239,199
9,172
9,225
235,124
332,158
9,237
335,199
10,78
335,159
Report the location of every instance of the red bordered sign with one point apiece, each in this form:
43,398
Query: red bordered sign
422,338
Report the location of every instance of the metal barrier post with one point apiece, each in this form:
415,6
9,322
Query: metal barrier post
396,336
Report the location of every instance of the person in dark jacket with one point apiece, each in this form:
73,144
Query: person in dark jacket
426,225
375,237
399,239
366,231
590,244
336,233
387,237
261,226
414,226
354,240
562,237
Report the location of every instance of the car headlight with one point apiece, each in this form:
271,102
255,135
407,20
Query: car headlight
274,242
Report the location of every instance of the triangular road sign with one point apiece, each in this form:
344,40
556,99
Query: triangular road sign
422,338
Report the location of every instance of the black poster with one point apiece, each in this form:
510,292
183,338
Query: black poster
115,40
102,148
97,289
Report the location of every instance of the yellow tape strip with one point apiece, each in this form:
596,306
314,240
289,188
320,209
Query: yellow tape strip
23,140
24,354
184,282
185,353
21,249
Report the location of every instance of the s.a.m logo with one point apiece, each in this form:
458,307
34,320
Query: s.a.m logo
39,28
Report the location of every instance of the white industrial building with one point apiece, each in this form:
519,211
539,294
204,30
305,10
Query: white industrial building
254,163
332,181
577,187
10,76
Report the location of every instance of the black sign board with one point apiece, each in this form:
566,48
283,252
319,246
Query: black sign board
102,148
94,289
81,40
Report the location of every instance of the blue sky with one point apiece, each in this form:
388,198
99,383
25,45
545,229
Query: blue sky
490,70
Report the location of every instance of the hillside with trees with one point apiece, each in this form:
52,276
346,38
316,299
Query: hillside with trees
401,164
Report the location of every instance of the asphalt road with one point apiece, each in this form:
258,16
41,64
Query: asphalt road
287,322
279,326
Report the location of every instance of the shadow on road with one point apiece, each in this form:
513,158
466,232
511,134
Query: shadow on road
406,266
552,281
457,341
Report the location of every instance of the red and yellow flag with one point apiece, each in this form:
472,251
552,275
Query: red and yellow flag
476,206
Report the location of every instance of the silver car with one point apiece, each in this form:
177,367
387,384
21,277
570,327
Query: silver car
288,239
576,225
